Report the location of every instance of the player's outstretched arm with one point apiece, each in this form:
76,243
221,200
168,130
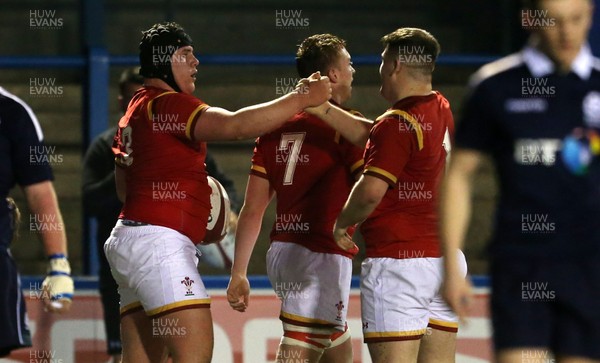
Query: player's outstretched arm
455,204
364,198
219,124
353,128
258,197
43,203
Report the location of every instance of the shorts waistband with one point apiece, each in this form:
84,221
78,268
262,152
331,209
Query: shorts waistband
130,223
140,228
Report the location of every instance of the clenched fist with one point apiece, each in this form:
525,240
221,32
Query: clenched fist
316,89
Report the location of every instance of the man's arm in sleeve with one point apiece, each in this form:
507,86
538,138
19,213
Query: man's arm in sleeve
99,190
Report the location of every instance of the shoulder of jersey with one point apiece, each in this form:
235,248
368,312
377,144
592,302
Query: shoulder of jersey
12,100
395,115
496,68
401,114
9,99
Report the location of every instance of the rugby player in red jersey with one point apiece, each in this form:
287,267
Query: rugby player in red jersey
310,169
404,317
160,175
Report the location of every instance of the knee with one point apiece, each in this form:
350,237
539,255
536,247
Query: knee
314,338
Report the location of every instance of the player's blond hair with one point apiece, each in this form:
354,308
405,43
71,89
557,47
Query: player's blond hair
318,53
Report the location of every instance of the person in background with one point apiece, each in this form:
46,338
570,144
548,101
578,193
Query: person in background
537,114
25,162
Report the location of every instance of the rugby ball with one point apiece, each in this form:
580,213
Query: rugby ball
220,254
218,219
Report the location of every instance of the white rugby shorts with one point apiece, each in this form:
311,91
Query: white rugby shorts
401,298
314,288
156,269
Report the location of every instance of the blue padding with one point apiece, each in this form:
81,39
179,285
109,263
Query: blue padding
220,59
247,59
221,281
480,280
124,60
444,59
42,62
211,282
98,86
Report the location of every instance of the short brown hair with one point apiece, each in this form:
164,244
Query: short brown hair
129,76
421,48
317,53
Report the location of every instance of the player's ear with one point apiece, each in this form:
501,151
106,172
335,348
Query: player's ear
332,74
397,65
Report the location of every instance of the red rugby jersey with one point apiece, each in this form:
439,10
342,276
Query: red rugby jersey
312,169
407,149
164,165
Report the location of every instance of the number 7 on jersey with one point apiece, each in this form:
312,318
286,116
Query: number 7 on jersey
290,144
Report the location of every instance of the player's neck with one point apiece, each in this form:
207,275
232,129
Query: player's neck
337,98
413,89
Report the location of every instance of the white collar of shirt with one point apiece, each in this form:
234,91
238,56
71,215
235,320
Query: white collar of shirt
540,65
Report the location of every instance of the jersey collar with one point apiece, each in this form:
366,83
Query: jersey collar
540,65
